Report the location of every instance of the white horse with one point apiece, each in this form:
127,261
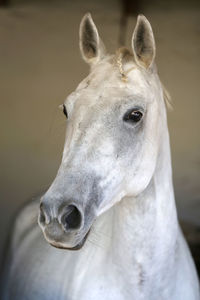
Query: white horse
113,195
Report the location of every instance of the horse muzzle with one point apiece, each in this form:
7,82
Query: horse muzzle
65,228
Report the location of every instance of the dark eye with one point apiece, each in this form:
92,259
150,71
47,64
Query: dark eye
65,111
133,116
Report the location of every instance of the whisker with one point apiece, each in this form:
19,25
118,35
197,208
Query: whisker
94,243
101,233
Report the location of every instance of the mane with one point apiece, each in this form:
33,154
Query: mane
167,97
124,55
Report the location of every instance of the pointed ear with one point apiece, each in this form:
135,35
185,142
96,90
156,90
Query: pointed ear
91,46
143,43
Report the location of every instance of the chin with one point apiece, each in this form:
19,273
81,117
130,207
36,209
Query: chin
60,245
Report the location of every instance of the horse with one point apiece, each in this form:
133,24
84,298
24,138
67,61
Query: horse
110,211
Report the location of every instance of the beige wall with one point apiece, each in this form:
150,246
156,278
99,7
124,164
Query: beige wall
40,64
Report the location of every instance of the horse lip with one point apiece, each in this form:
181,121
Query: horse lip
77,247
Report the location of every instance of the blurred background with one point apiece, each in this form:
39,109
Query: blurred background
40,65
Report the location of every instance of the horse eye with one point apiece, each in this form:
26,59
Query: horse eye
133,116
65,111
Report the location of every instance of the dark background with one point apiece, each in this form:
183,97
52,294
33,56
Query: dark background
40,65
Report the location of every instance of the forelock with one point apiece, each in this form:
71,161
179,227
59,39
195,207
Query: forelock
123,56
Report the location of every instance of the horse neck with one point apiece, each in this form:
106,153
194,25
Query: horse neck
138,229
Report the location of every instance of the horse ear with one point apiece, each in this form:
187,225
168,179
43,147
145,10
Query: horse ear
143,43
91,46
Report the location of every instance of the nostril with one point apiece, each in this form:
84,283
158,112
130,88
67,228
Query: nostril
41,215
43,218
71,219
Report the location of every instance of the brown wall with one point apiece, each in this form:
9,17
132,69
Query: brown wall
40,64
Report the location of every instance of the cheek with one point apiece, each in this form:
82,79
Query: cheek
111,180
142,168
112,191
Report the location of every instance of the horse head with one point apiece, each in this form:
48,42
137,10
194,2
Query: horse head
113,122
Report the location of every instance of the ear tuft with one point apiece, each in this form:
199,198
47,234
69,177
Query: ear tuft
143,43
90,44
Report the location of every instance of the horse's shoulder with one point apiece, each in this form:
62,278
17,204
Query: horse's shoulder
25,220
